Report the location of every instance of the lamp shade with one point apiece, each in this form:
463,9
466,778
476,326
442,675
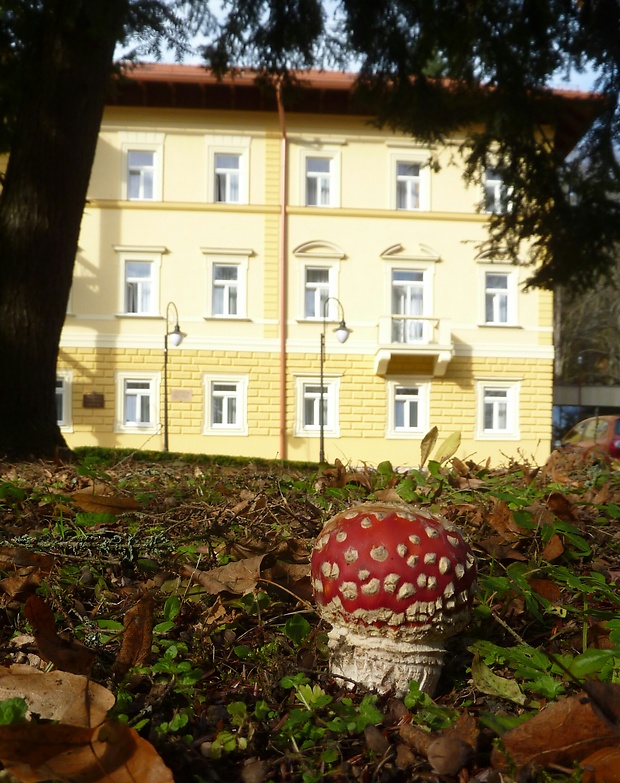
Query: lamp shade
176,336
342,332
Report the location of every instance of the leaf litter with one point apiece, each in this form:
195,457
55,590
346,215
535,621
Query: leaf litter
157,624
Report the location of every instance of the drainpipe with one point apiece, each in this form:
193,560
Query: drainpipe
283,277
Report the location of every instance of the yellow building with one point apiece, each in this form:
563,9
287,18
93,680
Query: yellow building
258,231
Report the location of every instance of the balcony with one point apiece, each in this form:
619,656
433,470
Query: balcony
408,340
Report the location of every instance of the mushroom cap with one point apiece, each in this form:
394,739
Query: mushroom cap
395,570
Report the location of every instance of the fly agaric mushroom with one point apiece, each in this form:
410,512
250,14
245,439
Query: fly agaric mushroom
394,582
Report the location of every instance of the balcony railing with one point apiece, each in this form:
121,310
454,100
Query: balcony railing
414,335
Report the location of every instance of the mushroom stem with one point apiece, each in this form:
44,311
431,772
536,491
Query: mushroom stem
383,664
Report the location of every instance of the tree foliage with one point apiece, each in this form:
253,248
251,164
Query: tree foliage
497,59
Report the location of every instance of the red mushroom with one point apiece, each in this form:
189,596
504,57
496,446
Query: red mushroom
394,582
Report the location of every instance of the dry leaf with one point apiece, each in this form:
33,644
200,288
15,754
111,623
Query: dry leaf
239,577
61,696
104,504
448,448
562,507
19,557
137,637
110,753
20,587
553,548
68,655
603,766
564,732
428,441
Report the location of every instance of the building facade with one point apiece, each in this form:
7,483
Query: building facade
257,231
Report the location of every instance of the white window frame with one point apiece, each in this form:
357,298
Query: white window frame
149,255
228,145
423,397
137,141
421,159
427,271
240,426
154,380
237,257
331,288
328,153
491,267
65,379
496,195
510,294
511,390
228,176
331,426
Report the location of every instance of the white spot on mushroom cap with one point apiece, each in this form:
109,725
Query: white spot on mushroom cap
459,570
454,540
402,549
444,565
415,540
448,590
363,574
412,561
406,590
372,587
351,555
432,583
431,532
341,536
379,553
349,590
321,542
390,582
421,580
430,558
330,570
366,522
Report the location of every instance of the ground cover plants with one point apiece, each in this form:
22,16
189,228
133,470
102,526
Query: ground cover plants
157,624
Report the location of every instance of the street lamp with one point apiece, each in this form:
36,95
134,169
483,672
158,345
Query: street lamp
176,338
342,334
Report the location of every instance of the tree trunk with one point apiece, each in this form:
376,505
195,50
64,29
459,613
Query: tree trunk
41,206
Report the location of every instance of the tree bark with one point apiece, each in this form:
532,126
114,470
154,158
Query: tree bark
67,70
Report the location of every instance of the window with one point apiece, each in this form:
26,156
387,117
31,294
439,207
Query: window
319,182
496,298
498,410
139,269
228,168
139,288
227,273
225,405
308,419
407,185
225,289
407,407
137,402
227,178
63,400
140,175
316,291
142,154
495,195
408,300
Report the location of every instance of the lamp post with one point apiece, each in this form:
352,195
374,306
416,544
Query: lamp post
342,332
176,338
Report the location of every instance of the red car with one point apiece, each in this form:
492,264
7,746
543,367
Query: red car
601,433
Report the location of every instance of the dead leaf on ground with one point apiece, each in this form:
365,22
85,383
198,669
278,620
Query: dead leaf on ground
104,504
19,557
553,548
109,753
137,637
564,732
239,577
19,587
61,696
67,655
428,441
448,447
502,520
562,507
602,766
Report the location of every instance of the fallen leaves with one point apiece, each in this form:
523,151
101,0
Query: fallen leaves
109,753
